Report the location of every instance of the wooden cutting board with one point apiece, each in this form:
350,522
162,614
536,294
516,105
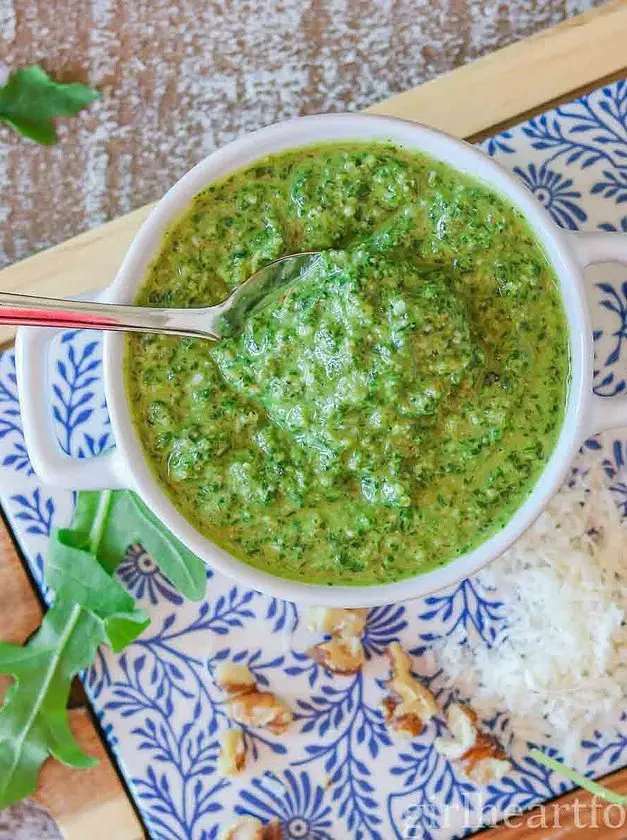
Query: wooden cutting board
472,102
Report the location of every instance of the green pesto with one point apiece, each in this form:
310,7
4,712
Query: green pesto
388,413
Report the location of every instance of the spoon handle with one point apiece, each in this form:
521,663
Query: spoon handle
28,310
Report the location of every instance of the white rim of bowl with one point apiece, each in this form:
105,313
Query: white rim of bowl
359,128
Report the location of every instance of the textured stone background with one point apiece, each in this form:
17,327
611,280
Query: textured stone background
180,77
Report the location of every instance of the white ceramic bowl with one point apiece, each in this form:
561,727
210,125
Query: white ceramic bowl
126,467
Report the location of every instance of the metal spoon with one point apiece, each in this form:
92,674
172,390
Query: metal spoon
211,322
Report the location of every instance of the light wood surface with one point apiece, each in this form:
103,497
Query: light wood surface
88,261
179,79
20,611
490,91
86,804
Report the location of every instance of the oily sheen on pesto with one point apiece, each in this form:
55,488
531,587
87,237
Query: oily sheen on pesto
385,414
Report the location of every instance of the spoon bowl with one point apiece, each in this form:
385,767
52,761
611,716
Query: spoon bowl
210,322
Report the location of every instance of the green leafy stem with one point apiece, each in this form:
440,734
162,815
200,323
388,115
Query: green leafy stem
90,608
583,781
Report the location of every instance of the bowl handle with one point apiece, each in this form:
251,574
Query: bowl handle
50,463
591,248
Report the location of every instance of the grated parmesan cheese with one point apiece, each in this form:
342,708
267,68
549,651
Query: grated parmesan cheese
557,665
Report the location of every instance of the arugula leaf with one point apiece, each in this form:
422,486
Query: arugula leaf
114,520
90,510
33,719
91,607
74,572
123,628
583,781
30,100
129,521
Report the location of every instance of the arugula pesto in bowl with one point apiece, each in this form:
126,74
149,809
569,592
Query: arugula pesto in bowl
388,413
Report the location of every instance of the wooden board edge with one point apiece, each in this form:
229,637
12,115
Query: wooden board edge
570,817
85,262
88,803
79,803
489,93
20,603
523,78
564,99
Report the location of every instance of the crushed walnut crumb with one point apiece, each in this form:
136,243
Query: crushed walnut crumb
409,704
262,709
244,828
251,828
247,706
232,752
235,678
342,656
337,622
344,652
273,831
482,757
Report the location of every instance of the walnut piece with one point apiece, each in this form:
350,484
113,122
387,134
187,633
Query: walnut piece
235,678
232,752
483,759
486,760
337,622
409,704
487,771
407,725
273,831
248,705
342,656
462,724
263,709
244,828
